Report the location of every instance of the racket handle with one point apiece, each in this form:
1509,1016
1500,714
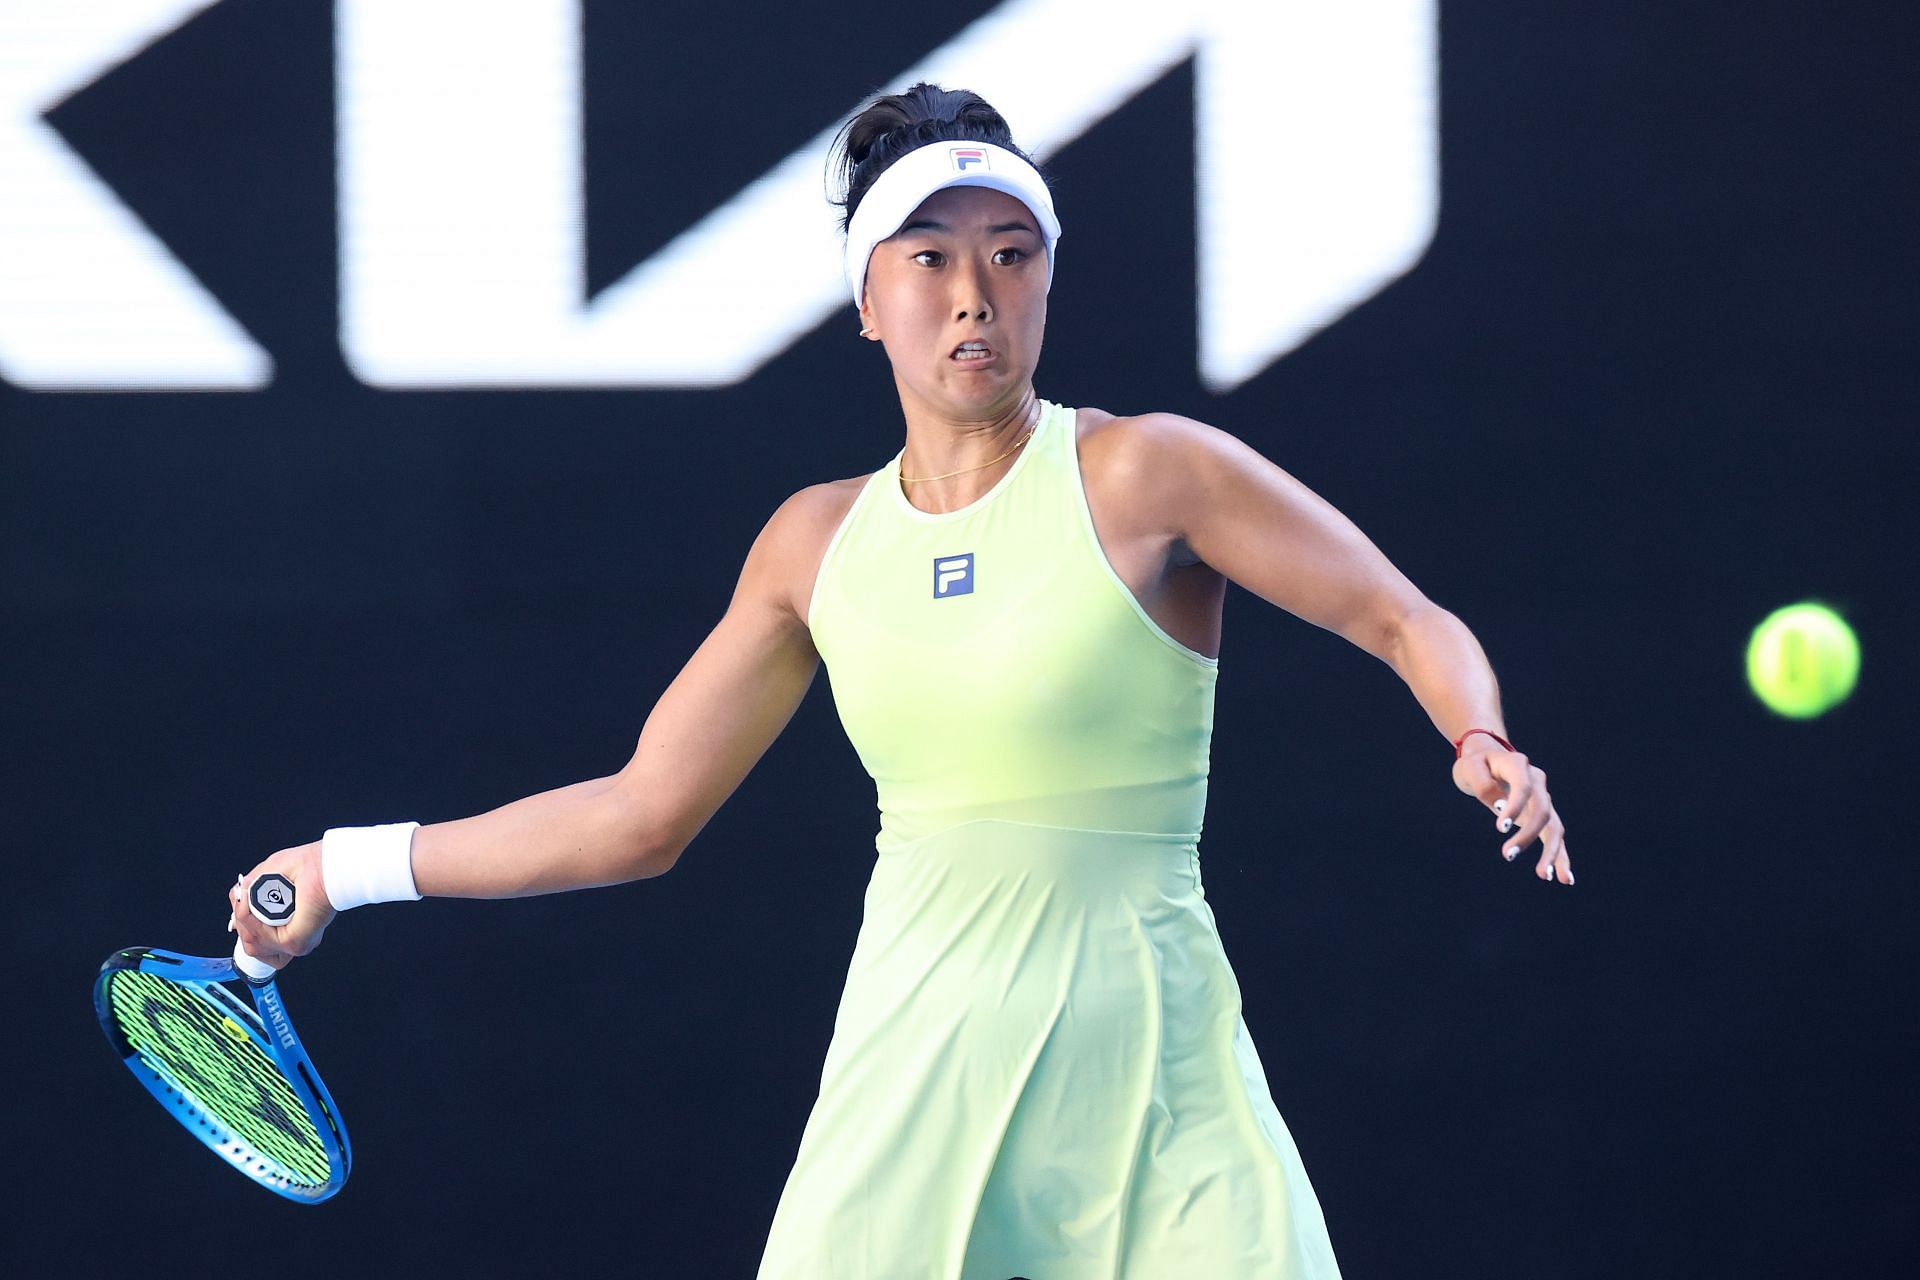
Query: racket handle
270,898
254,970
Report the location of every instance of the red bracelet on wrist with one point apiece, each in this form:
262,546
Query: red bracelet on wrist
1490,733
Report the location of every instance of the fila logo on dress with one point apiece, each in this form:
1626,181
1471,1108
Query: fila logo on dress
952,576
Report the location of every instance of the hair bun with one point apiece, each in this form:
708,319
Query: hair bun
894,124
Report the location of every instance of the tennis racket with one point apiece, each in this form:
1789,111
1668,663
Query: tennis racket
237,1077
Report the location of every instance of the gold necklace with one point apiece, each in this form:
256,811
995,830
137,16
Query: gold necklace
1024,437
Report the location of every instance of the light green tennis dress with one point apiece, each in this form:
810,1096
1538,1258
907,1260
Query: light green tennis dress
1039,1067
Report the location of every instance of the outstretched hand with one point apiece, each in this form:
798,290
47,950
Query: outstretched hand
1515,789
312,912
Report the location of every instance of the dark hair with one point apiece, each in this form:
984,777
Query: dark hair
890,126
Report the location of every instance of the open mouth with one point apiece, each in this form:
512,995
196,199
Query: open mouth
971,352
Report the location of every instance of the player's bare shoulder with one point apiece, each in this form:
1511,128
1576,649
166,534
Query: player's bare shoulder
1135,462
795,539
1137,437
808,519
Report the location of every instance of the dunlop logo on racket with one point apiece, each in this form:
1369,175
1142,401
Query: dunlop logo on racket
271,898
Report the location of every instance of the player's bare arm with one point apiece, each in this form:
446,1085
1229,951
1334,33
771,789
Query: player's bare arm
1215,500
712,724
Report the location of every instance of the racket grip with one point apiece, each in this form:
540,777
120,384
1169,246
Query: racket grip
254,970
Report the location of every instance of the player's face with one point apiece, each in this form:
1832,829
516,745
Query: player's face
959,297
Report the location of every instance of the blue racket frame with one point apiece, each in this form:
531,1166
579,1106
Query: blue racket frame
269,1027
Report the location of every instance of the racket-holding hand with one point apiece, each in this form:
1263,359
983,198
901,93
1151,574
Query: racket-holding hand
276,944
1516,790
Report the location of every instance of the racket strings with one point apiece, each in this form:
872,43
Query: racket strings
209,1058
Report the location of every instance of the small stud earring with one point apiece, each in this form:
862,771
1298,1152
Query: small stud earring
866,333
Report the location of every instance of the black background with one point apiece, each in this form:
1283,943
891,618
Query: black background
1651,380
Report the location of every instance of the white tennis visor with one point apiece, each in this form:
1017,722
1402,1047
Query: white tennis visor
898,191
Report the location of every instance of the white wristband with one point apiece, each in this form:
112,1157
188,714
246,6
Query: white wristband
368,864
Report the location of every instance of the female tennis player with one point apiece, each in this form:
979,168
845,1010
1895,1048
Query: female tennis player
1039,1066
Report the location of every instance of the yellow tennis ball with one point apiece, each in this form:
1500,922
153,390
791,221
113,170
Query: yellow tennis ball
1803,660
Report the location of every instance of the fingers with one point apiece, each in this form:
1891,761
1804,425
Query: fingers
1524,814
1554,863
1528,808
1521,784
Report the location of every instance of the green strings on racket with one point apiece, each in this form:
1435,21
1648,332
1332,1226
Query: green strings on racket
205,1054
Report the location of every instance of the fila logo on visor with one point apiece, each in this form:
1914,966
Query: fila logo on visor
952,576
965,158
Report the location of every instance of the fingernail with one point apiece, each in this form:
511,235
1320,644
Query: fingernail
1510,853
1569,877
1505,825
229,924
1499,806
